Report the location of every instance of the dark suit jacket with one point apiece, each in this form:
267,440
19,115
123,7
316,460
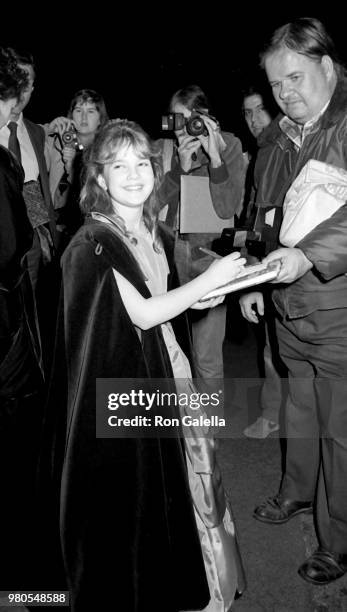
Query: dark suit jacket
37,137
19,344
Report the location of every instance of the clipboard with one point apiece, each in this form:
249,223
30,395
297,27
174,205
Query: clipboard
197,214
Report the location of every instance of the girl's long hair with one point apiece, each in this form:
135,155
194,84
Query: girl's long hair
113,136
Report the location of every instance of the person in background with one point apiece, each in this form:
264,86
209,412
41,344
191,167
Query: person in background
216,155
258,111
28,141
66,151
21,375
31,141
309,84
255,112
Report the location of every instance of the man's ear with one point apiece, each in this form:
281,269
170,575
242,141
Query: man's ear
328,66
102,182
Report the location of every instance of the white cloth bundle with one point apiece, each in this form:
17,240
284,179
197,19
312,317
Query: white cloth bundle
318,191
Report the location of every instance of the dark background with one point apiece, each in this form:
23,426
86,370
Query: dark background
137,60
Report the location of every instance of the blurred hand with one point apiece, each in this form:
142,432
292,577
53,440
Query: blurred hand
294,264
68,154
248,302
59,125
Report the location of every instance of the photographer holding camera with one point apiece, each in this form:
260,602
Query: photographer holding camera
201,150
87,113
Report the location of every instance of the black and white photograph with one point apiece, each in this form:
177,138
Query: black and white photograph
173,287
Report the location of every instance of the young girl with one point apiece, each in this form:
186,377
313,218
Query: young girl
128,530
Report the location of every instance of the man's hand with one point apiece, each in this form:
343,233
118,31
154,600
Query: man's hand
294,264
247,303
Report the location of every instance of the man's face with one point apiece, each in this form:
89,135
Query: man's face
256,116
26,95
6,108
301,86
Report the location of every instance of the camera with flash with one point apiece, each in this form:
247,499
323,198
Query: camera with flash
70,139
194,125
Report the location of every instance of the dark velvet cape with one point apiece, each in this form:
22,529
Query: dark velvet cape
128,532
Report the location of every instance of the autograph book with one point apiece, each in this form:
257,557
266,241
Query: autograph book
250,275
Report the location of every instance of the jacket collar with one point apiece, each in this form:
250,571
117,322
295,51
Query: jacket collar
272,133
338,104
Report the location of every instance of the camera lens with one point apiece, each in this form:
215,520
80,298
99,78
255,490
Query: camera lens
68,137
195,126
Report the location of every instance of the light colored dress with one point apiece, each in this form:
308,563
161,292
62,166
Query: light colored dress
212,511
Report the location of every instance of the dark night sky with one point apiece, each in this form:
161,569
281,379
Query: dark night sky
137,63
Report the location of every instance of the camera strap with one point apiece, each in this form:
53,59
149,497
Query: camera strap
167,153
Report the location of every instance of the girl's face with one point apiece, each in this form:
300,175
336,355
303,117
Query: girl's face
129,179
86,117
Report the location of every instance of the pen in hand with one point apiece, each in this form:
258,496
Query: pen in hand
212,253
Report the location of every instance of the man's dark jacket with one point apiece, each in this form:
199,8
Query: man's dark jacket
20,372
278,164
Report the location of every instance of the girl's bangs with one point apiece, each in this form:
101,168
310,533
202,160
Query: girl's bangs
123,141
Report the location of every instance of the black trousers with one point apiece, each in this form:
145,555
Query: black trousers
20,432
314,348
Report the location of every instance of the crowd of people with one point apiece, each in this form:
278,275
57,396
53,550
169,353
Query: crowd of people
99,281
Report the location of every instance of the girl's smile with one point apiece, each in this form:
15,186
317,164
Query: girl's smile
129,179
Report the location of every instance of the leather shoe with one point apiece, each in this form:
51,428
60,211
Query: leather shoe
323,567
276,510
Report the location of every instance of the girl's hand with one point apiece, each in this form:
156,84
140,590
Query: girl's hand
223,270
